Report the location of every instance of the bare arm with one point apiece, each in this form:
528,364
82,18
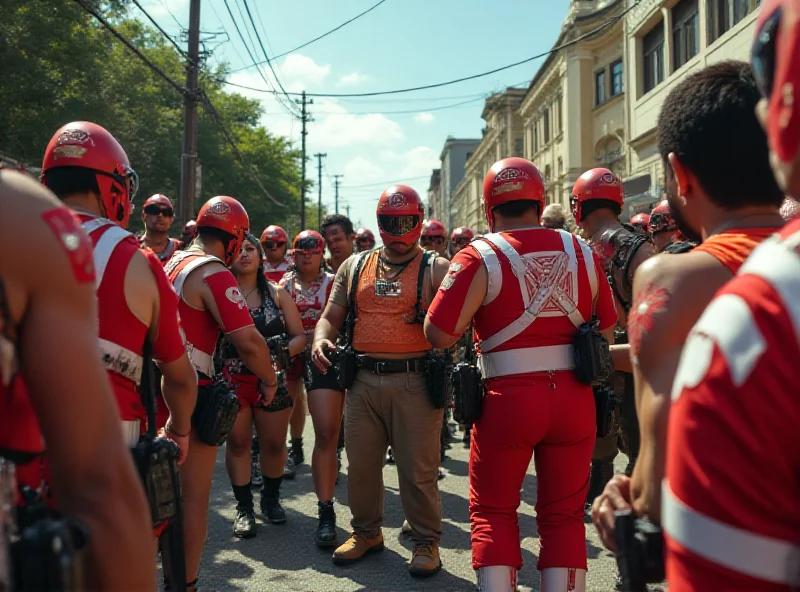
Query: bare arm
93,475
294,324
476,294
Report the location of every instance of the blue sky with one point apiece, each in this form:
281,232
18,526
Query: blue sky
400,44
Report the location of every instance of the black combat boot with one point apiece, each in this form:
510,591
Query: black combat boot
271,502
296,452
326,529
244,526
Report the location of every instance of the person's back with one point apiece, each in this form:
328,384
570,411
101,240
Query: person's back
50,283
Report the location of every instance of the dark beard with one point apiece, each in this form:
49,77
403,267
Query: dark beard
690,233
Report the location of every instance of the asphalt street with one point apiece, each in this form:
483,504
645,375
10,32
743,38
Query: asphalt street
284,557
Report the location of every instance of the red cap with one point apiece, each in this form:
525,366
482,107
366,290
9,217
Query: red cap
511,179
400,212
90,146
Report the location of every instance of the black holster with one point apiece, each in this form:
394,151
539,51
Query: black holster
281,400
593,363
467,386
640,551
157,462
215,413
346,363
605,403
436,381
279,350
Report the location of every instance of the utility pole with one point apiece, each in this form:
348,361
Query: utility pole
189,155
305,118
347,209
319,156
336,187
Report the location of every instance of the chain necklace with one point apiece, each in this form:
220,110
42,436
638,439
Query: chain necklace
385,267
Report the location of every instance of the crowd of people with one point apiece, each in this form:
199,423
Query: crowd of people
673,338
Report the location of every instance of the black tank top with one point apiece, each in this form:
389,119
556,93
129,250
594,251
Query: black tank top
268,321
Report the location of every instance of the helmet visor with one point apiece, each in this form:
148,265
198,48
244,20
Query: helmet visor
398,225
309,244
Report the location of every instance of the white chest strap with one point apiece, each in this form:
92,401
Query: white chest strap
180,279
105,246
533,303
322,295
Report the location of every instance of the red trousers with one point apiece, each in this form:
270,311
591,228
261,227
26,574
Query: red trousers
524,416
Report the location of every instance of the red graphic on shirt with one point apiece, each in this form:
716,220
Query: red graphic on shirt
67,229
650,301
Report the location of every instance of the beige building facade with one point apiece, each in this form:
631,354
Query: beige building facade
503,136
665,41
574,111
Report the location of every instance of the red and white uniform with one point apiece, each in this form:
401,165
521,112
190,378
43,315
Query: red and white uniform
310,304
731,497
542,284
122,335
275,273
202,330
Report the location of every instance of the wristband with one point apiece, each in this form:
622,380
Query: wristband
169,428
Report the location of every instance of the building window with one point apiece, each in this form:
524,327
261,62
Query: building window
536,137
518,147
685,32
653,57
600,87
724,14
617,80
546,125
560,101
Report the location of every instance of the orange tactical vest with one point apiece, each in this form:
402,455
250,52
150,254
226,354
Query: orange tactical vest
387,310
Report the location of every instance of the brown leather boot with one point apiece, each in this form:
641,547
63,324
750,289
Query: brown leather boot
425,561
356,547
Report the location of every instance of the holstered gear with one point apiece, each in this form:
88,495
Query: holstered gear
640,551
157,462
593,363
606,404
282,400
436,380
215,412
346,363
279,350
466,382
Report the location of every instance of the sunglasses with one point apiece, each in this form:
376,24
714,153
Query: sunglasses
274,244
762,55
433,239
156,210
363,239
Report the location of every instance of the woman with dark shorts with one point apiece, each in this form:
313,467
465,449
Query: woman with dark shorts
309,283
275,316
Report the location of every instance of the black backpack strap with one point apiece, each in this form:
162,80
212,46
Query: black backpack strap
352,312
147,387
428,257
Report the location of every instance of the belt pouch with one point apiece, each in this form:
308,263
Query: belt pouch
215,413
436,381
593,362
346,366
157,461
467,393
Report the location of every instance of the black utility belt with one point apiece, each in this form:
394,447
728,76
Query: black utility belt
378,366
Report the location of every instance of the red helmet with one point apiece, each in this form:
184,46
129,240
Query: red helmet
190,228
226,214
400,212
462,234
642,221
158,199
87,145
275,234
790,209
661,219
433,228
511,179
775,57
310,242
365,233
595,184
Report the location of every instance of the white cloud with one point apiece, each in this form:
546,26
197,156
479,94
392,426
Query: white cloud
360,171
302,73
420,161
338,131
424,117
353,79
156,9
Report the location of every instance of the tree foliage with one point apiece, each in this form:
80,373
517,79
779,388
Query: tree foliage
59,65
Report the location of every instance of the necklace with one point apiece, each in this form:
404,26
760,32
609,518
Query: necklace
385,268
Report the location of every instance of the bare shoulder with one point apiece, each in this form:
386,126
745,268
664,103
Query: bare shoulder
688,272
28,200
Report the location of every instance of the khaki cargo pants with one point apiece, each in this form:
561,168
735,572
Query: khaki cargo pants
393,409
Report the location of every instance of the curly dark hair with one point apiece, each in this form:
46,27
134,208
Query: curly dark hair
337,220
708,120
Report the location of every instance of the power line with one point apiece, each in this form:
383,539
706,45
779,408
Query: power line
575,41
211,110
385,183
174,18
131,47
163,32
370,9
